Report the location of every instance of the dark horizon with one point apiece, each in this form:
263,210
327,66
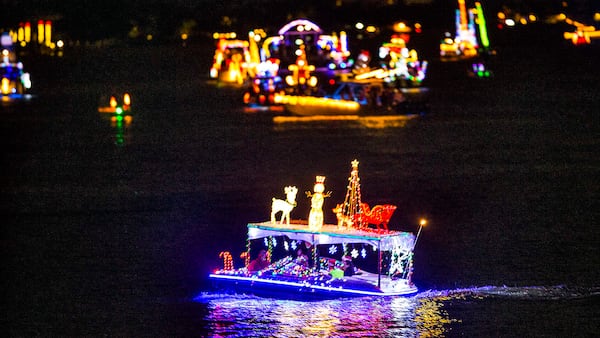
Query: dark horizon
92,20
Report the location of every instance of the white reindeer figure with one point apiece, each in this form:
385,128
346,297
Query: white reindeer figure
284,206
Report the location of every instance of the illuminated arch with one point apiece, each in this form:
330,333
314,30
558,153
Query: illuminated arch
312,27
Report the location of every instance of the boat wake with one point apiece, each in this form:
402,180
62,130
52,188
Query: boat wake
558,292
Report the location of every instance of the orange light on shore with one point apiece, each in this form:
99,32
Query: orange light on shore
113,102
21,33
40,31
27,32
48,32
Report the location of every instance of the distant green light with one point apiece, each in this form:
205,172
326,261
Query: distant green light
482,29
119,110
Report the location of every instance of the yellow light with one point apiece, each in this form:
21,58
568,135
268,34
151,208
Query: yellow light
40,31
48,32
422,222
60,43
27,32
113,102
371,29
127,99
184,36
532,18
501,16
317,101
21,34
5,87
149,37
359,25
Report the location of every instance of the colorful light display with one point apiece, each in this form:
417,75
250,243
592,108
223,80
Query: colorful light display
325,278
471,33
227,260
114,107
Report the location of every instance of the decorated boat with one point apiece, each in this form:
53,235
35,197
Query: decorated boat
357,97
307,259
471,38
15,83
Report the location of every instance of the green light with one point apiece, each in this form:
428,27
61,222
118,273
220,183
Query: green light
119,118
482,29
119,110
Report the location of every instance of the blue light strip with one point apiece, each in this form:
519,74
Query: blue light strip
318,287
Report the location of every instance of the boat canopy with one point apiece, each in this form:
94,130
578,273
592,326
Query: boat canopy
331,234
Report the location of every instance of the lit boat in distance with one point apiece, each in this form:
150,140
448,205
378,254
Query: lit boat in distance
15,83
117,107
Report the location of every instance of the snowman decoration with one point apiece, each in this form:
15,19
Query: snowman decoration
315,217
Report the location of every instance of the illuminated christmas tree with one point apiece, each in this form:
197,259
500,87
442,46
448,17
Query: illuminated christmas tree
351,209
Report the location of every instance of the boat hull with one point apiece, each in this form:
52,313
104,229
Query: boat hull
303,289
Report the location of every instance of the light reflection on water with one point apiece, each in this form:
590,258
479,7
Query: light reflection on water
358,317
427,314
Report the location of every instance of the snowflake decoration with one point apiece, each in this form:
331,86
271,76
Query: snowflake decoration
274,242
354,253
374,248
294,245
286,245
332,249
363,253
266,241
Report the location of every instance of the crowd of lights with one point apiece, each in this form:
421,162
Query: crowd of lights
41,35
15,81
115,108
467,42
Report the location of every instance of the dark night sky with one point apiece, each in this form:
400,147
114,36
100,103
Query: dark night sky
94,19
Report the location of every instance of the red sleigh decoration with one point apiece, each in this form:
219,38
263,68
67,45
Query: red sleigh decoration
379,216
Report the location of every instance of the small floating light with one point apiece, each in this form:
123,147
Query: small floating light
126,99
113,102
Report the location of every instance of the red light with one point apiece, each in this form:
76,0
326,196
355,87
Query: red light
331,82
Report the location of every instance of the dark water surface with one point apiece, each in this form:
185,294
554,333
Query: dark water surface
110,230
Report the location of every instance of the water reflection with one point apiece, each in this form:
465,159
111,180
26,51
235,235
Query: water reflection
121,124
247,316
284,123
